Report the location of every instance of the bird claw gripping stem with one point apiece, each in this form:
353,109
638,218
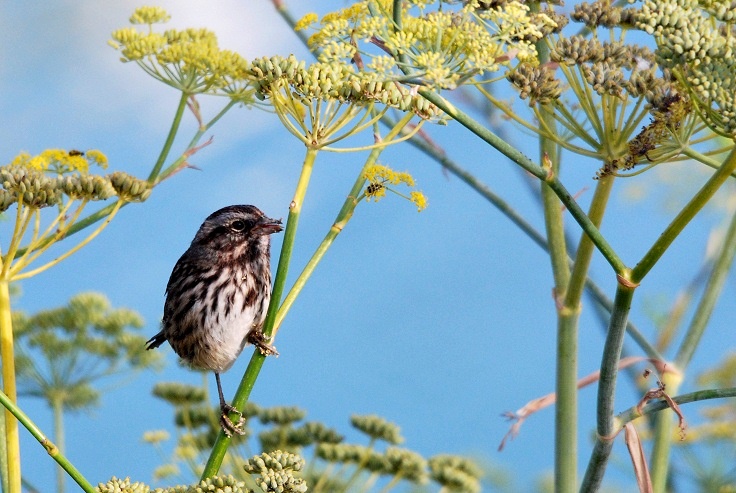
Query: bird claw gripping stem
259,340
228,427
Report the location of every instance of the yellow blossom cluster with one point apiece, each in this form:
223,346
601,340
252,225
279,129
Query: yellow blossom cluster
189,60
61,161
442,47
379,177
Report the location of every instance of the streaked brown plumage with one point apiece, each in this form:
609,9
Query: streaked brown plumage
218,294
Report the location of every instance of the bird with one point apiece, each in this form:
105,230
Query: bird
218,295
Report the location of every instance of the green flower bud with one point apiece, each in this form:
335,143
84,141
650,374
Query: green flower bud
377,428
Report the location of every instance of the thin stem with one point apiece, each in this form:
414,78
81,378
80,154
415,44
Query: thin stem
59,438
50,447
528,165
683,218
586,248
169,138
256,361
343,216
77,247
656,406
607,388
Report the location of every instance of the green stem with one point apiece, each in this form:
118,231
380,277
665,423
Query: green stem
7,355
256,361
169,138
683,218
507,210
566,406
538,171
659,462
50,447
343,216
567,350
159,177
656,406
607,388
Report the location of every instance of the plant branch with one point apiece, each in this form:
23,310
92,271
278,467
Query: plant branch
50,447
607,388
683,218
169,138
538,171
256,361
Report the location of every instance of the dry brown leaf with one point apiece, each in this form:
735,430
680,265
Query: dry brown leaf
638,459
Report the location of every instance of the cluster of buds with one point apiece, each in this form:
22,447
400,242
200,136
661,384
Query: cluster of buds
44,180
455,473
274,472
333,82
29,187
695,41
295,438
377,428
130,188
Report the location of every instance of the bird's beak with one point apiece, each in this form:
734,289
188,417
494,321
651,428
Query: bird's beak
267,226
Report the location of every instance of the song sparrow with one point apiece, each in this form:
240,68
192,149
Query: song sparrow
218,294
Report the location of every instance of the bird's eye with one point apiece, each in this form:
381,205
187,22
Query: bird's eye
238,225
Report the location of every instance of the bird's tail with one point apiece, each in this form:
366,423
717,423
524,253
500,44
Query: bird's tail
156,340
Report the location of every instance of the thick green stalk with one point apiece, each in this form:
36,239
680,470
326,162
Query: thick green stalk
607,388
169,138
7,354
567,349
566,374
50,447
256,361
683,218
538,171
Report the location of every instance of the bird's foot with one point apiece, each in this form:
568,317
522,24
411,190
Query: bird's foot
226,423
259,340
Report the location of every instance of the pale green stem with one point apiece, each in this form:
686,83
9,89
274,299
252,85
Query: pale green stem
659,462
47,444
345,214
256,362
567,350
169,138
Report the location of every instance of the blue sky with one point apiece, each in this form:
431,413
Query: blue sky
439,321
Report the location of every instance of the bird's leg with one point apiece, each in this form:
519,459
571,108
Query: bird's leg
259,340
225,410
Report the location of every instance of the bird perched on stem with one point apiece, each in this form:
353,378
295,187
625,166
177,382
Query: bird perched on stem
218,295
